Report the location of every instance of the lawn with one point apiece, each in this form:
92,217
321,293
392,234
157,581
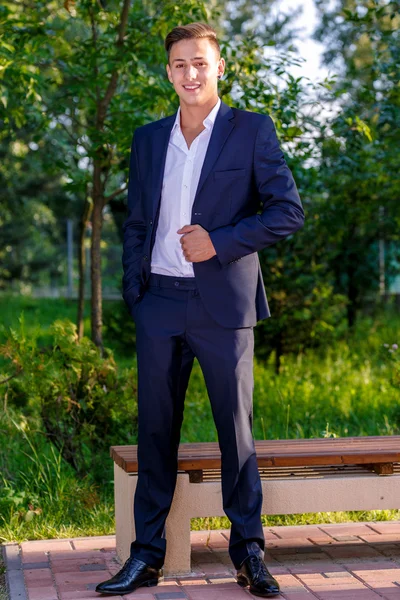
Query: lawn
345,389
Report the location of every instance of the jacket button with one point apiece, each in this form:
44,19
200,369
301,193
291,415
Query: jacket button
150,222
145,257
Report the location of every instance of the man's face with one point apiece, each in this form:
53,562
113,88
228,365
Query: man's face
193,70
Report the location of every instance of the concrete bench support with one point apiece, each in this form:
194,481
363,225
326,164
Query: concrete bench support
363,490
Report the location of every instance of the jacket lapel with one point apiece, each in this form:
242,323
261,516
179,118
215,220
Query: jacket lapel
159,154
223,126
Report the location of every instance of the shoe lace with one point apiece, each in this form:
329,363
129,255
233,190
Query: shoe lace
258,567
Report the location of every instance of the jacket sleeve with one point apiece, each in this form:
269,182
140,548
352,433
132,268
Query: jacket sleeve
134,233
282,211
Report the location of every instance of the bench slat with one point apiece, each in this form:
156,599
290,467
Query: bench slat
280,453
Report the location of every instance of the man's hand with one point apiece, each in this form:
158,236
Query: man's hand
196,243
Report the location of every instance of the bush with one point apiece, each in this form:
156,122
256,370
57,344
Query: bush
84,404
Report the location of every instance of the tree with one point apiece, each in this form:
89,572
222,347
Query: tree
360,162
93,71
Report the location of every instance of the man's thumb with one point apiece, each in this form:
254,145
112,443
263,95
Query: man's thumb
186,229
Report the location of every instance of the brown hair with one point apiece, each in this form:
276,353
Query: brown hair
191,31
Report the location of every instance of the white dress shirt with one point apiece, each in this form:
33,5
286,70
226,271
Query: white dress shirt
181,177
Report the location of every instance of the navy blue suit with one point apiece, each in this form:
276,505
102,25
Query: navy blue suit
247,200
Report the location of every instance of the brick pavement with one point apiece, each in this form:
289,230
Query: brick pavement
350,561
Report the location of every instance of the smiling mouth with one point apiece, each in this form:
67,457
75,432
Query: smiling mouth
191,87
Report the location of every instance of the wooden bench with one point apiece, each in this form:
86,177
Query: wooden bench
298,476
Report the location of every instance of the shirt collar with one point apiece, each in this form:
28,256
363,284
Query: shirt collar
208,121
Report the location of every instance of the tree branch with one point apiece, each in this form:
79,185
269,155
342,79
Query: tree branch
114,194
112,86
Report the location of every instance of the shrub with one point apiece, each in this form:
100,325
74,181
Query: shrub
84,404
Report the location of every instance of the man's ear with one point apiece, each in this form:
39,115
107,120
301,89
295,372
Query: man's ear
221,67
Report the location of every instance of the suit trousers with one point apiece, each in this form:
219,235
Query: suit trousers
172,328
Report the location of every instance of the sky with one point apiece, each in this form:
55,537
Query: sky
309,49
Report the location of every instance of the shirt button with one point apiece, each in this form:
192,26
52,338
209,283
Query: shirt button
185,186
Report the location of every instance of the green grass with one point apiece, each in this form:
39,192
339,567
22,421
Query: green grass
344,390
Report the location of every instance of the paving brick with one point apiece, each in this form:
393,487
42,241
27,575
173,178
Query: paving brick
350,550
335,575
192,581
42,593
389,550
348,538
205,555
379,538
277,569
287,579
316,579
351,595
95,543
214,592
75,555
296,531
290,543
215,539
87,595
164,586
343,586
385,526
141,591
378,574
35,565
12,556
297,596
212,568
222,580
269,535
321,538
319,567
372,565
301,558
347,529
70,566
309,562
170,595
32,576
132,596
16,584
364,594
29,557
383,587
46,546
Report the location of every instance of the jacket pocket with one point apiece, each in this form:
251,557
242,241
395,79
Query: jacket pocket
229,173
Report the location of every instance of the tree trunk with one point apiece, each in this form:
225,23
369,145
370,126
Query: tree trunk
95,256
87,211
101,167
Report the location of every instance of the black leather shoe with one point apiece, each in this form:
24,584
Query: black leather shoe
255,574
133,574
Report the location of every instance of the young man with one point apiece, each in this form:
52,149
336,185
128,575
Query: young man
209,187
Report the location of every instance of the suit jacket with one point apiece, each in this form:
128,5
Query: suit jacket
246,199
